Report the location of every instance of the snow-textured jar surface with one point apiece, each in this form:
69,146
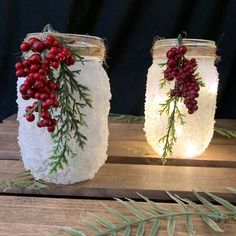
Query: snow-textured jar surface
36,144
195,135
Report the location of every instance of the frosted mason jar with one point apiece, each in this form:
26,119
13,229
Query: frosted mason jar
195,135
36,144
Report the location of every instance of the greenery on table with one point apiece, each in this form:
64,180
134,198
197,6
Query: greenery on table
230,133
211,215
24,181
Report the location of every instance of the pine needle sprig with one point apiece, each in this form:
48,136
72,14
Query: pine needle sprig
170,138
229,133
70,117
23,181
155,215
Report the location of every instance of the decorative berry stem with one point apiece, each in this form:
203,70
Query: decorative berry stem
187,84
54,94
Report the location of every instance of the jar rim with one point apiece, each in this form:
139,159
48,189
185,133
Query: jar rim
67,35
189,41
93,47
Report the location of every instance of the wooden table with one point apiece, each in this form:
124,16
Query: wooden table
132,167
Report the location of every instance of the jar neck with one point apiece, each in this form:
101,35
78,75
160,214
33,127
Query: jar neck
89,47
197,48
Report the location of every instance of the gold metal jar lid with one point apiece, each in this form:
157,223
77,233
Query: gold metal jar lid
198,48
89,47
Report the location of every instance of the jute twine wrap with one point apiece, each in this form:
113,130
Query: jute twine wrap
197,48
89,47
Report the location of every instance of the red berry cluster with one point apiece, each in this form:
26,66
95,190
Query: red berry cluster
47,54
182,71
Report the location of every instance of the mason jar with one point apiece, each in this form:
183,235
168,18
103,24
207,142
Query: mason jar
193,137
36,144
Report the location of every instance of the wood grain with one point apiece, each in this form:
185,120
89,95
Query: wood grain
43,216
127,144
122,180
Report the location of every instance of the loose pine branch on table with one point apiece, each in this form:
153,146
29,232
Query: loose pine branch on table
24,181
156,215
230,133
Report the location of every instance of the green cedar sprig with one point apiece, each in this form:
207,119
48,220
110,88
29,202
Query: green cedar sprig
70,117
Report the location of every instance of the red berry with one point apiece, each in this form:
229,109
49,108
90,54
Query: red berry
49,102
47,43
182,49
20,73
30,117
36,76
53,50
45,115
26,63
18,66
53,96
43,96
56,104
190,111
28,108
38,84
32,40
26,71
170,54
25,97
34,68
171,63
51,129
55,65
36,59
72,61
24,47
40,124
23,89
50,38
37,46
56,44
37,95
30,92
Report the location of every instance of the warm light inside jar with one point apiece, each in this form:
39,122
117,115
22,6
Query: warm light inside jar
195,135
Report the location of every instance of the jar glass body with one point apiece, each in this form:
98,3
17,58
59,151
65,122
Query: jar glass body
195,135
36,144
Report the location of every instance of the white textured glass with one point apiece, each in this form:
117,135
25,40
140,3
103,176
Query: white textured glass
195,135
36,144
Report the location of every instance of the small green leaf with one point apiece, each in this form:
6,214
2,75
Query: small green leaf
127,231
154,227
223,202
188,220
171,226
93,227
206,203
154,205
141,229
232,190
117,214
145,210
105,222
130,208
73,232
212,224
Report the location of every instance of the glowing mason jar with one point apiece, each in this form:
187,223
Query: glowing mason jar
195,135
36,144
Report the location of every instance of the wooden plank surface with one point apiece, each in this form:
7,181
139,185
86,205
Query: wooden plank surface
127,144
122,180
44,216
